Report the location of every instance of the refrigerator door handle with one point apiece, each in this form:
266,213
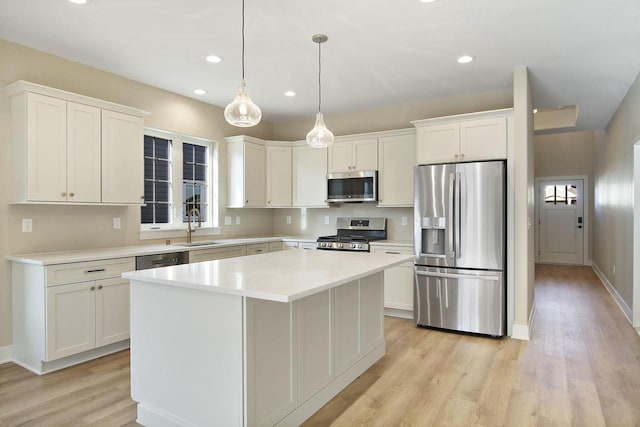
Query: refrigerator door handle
450,219
446,294
457,218
457,276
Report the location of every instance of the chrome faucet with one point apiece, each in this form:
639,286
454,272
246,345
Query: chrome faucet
196,213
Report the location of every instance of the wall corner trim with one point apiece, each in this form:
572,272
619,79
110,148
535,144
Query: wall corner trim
5,354
523,332
628,313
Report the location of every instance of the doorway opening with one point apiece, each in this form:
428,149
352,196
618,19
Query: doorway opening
562,218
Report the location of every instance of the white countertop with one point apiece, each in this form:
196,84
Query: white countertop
64,257
277,276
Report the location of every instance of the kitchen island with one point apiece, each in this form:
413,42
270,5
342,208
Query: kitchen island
253,341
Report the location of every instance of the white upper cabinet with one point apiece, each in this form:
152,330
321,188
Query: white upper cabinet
467,137
83,153
353,155
246,167
396,156
122,154
278,176
69,148
309,176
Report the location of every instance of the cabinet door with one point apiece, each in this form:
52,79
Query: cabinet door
395,177
341,157
398,281
217,253
309,176
83,153
112,311
275,246
315,344
122,158
254,170
271,361
365,153
46,149
346,300
483,139
278,176
71,318
289,245
438,143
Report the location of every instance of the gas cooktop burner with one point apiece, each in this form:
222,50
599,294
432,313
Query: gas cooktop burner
354,234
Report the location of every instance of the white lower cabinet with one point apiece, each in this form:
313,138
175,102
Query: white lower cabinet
398,282
257,248
65,314
295,351
82,316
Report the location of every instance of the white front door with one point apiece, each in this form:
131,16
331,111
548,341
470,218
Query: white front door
561,204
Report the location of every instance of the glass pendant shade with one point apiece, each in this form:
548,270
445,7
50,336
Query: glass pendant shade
242,112
319,136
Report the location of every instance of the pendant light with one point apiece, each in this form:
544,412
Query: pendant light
242,112
319,136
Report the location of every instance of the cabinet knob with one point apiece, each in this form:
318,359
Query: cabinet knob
246,201
99,287
63,194
71,194
141,197
461,156
269,202
455,156
93,288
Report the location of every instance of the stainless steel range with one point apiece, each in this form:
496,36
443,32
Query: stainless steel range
354,234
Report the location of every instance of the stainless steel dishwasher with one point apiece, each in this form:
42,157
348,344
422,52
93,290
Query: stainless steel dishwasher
145,262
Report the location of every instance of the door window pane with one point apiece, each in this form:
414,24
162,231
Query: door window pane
560,195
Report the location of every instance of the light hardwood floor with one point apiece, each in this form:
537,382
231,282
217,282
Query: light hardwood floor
581,368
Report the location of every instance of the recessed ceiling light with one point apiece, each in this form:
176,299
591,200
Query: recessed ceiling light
78,1
213,59
200,91
289,93
535,110
465,59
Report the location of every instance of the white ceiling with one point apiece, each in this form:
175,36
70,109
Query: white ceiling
379,53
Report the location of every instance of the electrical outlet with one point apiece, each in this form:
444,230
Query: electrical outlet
227,220
288,219
116,223
27,225
404,221
237,220
326,220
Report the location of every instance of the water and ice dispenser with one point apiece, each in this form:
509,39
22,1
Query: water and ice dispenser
433,236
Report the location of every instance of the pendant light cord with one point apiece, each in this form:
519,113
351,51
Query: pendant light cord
319,74
242,39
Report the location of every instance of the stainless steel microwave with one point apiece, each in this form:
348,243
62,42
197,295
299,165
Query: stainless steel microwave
359,186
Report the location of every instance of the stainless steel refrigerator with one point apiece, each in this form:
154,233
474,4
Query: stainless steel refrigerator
459,226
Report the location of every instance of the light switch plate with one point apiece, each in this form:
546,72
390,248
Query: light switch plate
237,220
288,219
326,220
116,223
27,225
227,220
404,220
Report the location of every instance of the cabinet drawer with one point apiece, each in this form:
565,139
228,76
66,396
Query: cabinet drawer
91,270
217,253
275,246
394,250
258,248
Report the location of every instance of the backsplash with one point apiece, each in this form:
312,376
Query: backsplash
311,222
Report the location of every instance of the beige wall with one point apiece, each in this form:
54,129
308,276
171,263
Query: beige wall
567,154
75,227
524,198
396,117
613,201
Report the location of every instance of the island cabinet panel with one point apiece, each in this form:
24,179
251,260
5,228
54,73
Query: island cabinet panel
315,344
347,326
371,312
271,361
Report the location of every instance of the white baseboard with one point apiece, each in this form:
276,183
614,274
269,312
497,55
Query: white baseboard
628,313
523,332
5,354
